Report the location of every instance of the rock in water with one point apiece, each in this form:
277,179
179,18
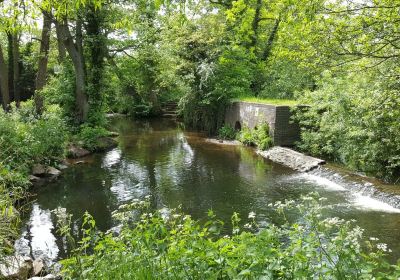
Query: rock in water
15,267
292,159
52,172
39,170
38,266
74,151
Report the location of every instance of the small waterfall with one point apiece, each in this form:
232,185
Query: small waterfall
364,192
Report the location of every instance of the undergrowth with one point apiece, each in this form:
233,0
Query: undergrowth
153,245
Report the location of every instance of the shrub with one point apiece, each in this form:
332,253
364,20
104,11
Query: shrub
156,246
227,132
256,137
26,139
355,122
89,136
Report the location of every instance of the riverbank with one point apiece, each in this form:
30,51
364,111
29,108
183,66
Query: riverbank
34,152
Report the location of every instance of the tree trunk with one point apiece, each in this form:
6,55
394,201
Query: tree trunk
10,66
16,69
5,94
61,48
81,99
255,24
271,39
96,52
42,65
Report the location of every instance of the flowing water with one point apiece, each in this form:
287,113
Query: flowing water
180,168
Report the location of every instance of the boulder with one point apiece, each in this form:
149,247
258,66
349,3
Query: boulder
38,266
15,267
52,172
34,179
39,170
74,151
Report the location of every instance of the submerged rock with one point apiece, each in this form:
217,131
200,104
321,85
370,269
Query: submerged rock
15,267
74,151
291,158
41,173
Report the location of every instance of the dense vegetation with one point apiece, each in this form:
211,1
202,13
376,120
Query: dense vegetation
153,245
65,64
94,56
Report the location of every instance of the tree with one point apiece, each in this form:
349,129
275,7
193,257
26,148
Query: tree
42,64
5,94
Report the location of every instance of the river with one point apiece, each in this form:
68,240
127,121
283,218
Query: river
180,168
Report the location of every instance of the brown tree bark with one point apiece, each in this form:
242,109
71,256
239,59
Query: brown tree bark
61,48
4,89
16,69
42,64
75,52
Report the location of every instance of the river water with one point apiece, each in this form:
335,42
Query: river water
180,168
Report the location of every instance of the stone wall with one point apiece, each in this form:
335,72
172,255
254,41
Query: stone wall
248,114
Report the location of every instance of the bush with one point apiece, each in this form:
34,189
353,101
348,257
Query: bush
354,121
26,139
156,246
89,136
227,132
256,137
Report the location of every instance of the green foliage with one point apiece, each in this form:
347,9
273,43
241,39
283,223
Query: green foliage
60,91
355,121
155,246
13,186
89,136
26,139
227,132
258,136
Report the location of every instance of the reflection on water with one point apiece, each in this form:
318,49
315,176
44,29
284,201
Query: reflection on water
180,168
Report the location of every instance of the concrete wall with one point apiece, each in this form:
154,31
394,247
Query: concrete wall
247,114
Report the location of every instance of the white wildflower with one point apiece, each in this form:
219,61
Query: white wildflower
252,215
373,239
248,226
382,246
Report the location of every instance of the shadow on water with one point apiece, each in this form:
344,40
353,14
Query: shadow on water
179,168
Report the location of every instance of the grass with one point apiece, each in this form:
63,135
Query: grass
286,102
